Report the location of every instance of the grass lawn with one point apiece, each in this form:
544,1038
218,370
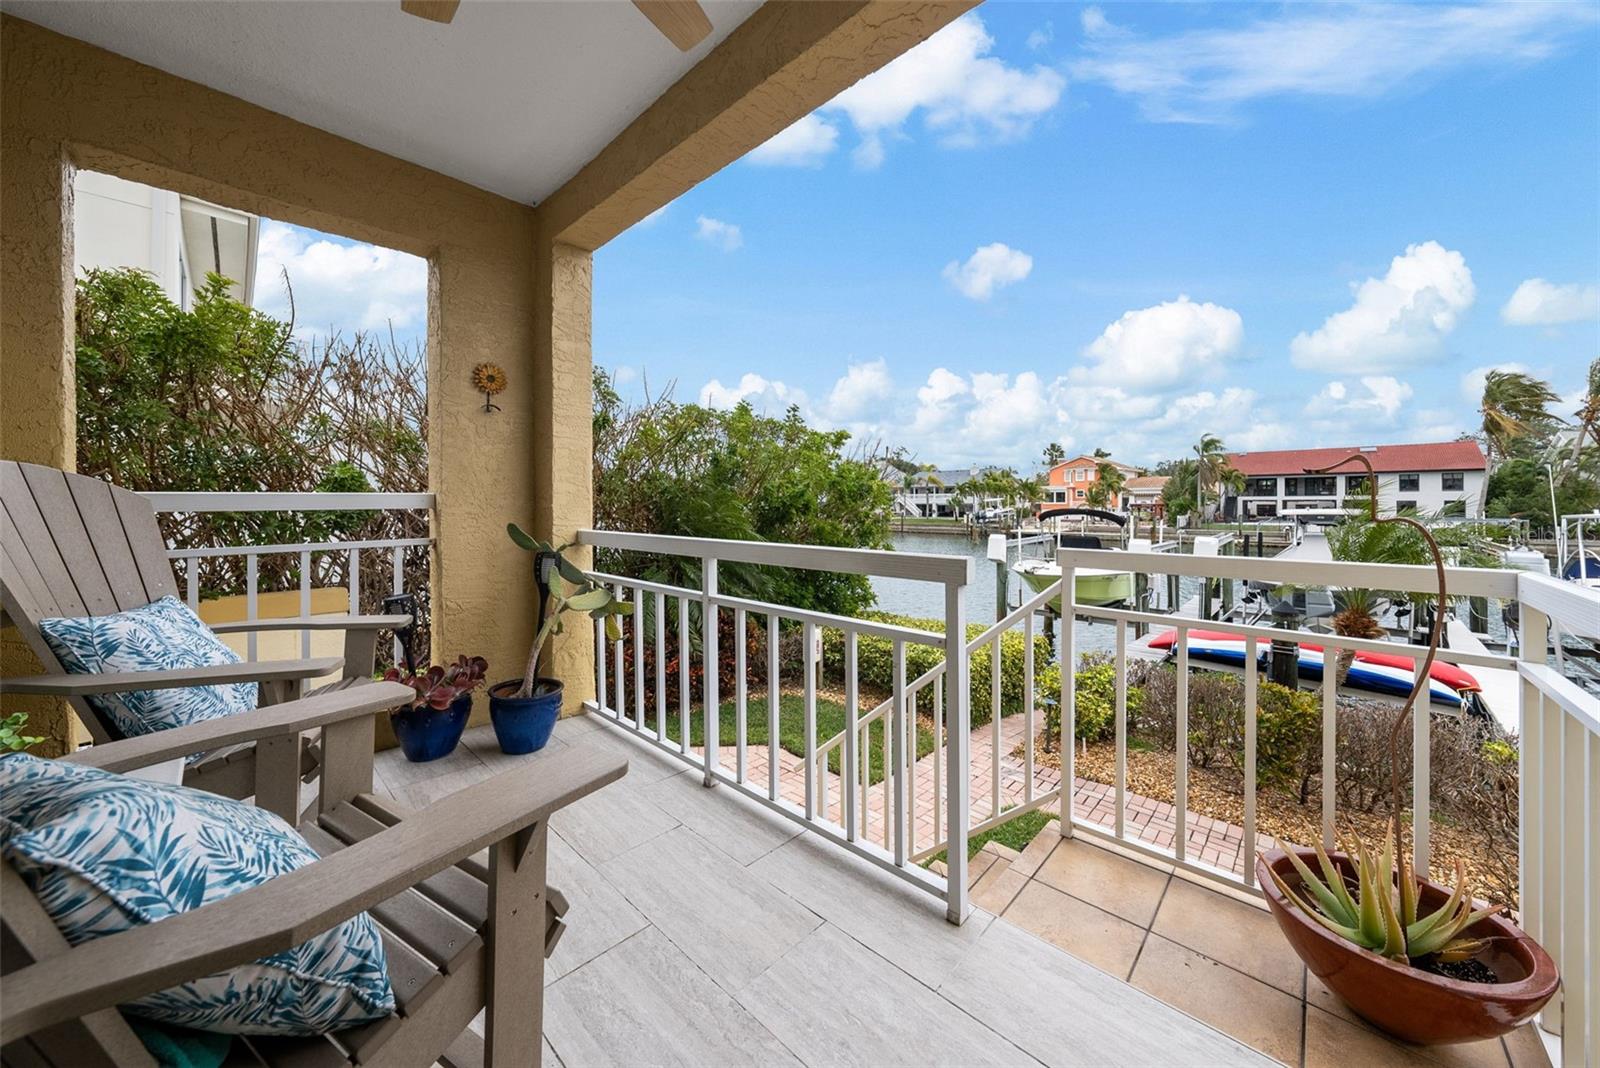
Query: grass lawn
1015,833
791,729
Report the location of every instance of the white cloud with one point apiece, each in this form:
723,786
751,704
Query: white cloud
989,268
1163,346
763,394
805,144
1473,381
1540,303
339,287
1359,51
864,387
966,96
723,235
1379,399
1397,320
1041,37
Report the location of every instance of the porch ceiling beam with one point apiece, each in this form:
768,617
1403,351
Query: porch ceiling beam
784,61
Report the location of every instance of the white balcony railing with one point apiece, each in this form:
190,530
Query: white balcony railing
622,682
1559,765
389,551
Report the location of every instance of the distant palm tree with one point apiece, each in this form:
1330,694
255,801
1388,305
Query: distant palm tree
1514,405
1054,454
1108,483
1210,458
1588,413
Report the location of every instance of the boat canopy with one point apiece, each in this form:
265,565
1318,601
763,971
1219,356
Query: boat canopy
1053,512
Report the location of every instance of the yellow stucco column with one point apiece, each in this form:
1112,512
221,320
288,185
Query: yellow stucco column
563,436
38,404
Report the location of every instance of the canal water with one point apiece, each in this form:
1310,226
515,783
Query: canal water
925,600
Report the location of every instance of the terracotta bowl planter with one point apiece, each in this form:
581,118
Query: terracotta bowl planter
1406,1002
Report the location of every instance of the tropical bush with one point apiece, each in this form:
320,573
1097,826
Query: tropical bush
225,397
1288,724
668,468
875,664
1095,706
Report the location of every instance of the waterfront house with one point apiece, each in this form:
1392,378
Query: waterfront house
1068,482
1143,495
1428,478
797,912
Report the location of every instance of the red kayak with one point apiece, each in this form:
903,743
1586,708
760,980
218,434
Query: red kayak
1389,672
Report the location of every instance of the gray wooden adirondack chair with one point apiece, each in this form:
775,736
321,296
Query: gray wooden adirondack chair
75,546
460,935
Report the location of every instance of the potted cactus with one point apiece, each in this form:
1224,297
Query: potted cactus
524,711
430,726
1410,956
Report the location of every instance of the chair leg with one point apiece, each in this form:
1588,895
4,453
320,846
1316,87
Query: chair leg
516,929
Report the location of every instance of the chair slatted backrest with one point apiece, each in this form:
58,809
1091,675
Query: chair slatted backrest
71,545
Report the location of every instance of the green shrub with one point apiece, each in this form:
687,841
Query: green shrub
1095,706
875,664
1288,723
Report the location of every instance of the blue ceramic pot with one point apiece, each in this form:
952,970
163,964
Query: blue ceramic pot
427,734
523,724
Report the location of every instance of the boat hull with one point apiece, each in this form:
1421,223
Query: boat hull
1090,586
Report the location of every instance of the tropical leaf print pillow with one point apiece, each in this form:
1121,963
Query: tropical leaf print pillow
160,636
105,853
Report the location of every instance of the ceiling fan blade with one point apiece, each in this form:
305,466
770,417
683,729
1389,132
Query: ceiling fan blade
432,10
683,22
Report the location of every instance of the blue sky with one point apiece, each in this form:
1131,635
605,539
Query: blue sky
1124,225
1118,226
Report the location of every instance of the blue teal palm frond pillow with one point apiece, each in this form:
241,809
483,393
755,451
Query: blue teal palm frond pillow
105,853
160,636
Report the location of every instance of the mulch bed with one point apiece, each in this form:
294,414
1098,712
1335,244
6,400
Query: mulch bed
1220,795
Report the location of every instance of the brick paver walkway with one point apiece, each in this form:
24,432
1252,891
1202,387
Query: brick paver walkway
1210,841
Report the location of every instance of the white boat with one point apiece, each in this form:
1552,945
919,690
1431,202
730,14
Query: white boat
1578,559
1091,585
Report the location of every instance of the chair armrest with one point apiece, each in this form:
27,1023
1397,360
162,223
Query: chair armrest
330,622
174,679
291,717
289,909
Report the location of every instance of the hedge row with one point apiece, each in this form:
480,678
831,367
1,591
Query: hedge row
875,663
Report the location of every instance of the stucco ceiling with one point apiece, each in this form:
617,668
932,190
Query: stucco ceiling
513,97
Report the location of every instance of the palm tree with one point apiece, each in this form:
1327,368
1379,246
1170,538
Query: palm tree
1054,454
1210,457
1109,481
1588,413
1514,406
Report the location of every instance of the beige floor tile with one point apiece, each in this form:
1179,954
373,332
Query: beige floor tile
1239,935
1337,1043
1466,1055
1258,1015
997,888
1526,1048
1036,851
1119,885
1108,942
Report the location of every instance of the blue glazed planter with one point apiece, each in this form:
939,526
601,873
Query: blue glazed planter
426,734
523,724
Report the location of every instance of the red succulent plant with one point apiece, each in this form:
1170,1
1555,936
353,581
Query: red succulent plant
438,687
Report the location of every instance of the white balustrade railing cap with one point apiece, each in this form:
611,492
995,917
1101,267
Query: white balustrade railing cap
175,501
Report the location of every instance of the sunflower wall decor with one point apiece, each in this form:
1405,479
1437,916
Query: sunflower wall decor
489,379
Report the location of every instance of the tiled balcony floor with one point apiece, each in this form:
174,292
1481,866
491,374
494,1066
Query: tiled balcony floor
706,930
1217,958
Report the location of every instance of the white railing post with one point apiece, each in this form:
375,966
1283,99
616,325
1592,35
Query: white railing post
1065,744
708,623
958,739
847,768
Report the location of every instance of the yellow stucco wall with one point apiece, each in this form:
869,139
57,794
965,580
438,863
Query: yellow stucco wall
68,104
507,283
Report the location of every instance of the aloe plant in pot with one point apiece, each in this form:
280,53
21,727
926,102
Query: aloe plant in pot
1411,956
524,711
